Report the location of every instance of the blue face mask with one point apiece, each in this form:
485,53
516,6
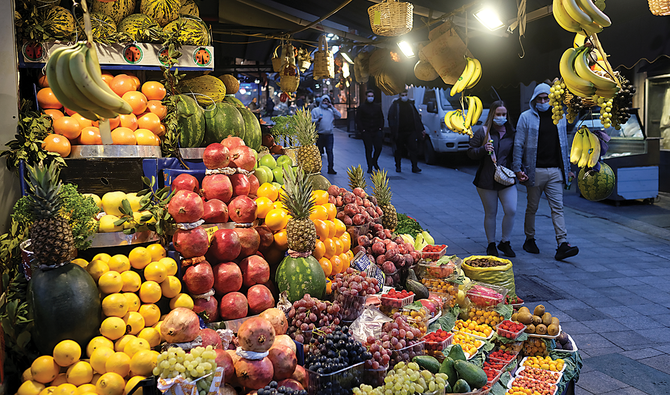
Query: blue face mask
371,99
499,120
542,107
324,105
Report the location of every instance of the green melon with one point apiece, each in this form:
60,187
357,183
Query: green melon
189,8
594,185
64,304
101,25
191,121
134,25
222,120
193,30
163,11
57,21
319,182
300,276
117,10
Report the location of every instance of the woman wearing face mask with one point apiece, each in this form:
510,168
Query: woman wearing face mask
495,136
370,121
323,116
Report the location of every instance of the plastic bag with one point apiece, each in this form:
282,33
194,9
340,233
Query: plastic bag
496,275
369,323
180,386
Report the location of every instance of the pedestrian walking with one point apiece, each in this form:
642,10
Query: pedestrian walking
542,149
370,121
495,139
324,116
406,130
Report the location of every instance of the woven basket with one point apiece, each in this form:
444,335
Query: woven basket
324,66
391,18
659,7
276,61
303,60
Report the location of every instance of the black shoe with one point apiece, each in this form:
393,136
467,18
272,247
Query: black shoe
331,171
491,250
565,250
506,249
369,170
397,169
530,246
416,170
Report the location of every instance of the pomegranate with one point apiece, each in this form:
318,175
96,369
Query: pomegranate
234,358
255,270
284,362
191,243
217,186
285,341
216,211
227,278
266,237
210,338
180,325
253,185
250,241
216,156
208,306
186,206
254,374
186,182
223,360
231,142
233,305
225,245
278,320
242,209
260,298
292,384
240,184
243,157
199,278
256,334
300,375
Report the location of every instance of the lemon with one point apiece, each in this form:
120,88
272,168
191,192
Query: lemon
121,343
103,256
110,383
95,378
181,300
151,220
97,342
48,390
158,328
113,328
81,262
30,387
171,287
110,282
96,199
134,201
115,305
99,358
132,382
132,300
119,263
150,292
139,257
170,265
79,373
151,335
97,268
134,322
84,388
143,362
111,201
155,271
27,375
131,281
65,389
136,345
118,363
60,379
106,224
151,314
66,353
157,252
44,369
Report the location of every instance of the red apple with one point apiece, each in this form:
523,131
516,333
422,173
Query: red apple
186,182
215,212
242,210
250,240
231,142
225,245
242,157
240,184
216,156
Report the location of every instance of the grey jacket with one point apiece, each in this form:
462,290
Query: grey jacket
525,141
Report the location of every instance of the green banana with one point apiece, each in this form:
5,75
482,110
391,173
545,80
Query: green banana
577,13
75,98
93,67
428,238
594,12
108,104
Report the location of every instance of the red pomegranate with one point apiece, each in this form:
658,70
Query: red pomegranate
186,206
285,341
278,320
215,156
254,374
283,361
233,305
191,243
224,360
199,278
185,181
300,375
291,383
217,186
210,338
256,334
210,306
180,325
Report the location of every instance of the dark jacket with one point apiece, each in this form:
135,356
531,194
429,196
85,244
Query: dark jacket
504,153
394,121
369,117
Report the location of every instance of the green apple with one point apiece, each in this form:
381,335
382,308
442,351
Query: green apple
279,174
264,174
267,160
255,157
284,159
277,185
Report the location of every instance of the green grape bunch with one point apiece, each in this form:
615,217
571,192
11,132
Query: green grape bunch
605,110
556,97
406,379
199,362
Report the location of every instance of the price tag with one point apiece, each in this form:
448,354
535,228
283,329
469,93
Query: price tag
211,231
377,18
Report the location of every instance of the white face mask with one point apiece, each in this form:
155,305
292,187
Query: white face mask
324,105
499,120
370,99
404,98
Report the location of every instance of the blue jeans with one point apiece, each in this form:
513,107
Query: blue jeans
326,141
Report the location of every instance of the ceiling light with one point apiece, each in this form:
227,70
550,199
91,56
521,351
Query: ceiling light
334,49
257,81
345,70
346,57
489,18
406,49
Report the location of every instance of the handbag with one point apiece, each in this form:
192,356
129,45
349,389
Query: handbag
503,175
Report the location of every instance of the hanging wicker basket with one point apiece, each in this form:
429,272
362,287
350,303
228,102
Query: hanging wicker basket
391,18
289,75
324,65
276,60
303,60
659,7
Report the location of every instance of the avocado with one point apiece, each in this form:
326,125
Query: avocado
420,290
461,387
447,368
427,362
456,353
473,374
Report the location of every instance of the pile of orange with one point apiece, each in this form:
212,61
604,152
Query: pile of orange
143,127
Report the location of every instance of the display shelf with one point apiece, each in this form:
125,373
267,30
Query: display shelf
121,239
114,151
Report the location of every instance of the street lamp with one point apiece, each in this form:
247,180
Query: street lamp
489,18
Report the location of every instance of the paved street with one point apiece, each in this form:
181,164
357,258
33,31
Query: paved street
612,298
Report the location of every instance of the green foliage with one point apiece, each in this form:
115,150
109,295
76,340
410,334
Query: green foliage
407,225
27,23
284,130
156,204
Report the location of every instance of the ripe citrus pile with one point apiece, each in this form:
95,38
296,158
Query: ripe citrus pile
473,328
143,127
110,204
545,363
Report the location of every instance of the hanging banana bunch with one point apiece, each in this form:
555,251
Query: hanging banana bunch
585,150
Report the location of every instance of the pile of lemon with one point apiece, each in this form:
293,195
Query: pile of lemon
110,203
333,245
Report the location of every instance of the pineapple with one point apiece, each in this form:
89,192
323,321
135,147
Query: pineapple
300,230
356,178
308,156
381,190
51,237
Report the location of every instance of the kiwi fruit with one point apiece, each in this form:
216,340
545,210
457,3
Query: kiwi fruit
539,310
530,329
537,320
555,321
524,309
525,318
541,329
514,317
552,330
546,319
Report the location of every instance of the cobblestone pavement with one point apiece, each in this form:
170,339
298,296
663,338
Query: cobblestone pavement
612,298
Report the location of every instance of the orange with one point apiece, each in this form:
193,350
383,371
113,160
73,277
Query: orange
115,122
321,229
268,190
281,239
128,121
90,136
83,122
43,82
123,136
57,143
346,242
157,107
331,228
326,266
121,84
338,265
107,78
329,286
137,101
340,227
47,99
319,212
350,254
136,81
146,137
319,249
330,248
276,219
320,197
68,127
346,262
149,121
331,210
69,112
338,246
162,130
154,90
263,206
53,113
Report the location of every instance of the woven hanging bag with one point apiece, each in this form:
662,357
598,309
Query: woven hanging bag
659,7
324,65
391,18
289,75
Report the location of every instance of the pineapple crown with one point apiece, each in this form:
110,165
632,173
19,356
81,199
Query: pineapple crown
305,129
356,178
45,186
298,197
380,187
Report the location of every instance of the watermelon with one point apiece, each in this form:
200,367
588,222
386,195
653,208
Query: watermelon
300,276
101,25
189,8
594,185
193,32
191,121
252,128
57,21
134,25
230,98
222,120
117,10
163,11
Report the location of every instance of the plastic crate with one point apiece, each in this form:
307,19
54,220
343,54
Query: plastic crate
351,307
438,346
485,295
509,334
524,382
396,303
434,255
557,376
374,377
407,353
342,381
426,269
490,382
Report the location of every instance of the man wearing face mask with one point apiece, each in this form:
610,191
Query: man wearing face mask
324,116
542,148
406,129
370,121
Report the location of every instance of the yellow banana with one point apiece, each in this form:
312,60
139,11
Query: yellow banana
577,146
594,12
602,84
447,120
563,19
476,74
470,113
463,79
574,82
594,156
576,13
586,149
592,28
458,121
480,109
